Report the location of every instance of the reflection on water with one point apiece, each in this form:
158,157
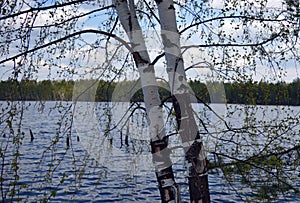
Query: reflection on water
99,167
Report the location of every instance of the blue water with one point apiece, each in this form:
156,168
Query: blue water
118,172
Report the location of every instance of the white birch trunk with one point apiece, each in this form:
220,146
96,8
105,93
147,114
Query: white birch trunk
188,129
133,30
159,142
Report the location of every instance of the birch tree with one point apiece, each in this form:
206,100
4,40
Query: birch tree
159,142
255,149
188,130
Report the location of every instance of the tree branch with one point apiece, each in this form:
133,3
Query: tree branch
72,18
157,58
274,36
250,159
67,37
57,5
151,11
230,17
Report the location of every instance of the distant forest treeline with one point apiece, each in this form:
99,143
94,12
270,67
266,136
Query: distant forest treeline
242,93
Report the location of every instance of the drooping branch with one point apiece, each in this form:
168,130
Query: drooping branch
250,159
251,162
124,118
56,5
67,37
69,19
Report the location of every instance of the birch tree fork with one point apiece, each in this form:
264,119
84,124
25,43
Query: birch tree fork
169,190
188,130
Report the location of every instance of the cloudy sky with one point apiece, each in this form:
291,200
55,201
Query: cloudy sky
92,61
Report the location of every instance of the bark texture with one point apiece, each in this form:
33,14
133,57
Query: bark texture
168,188
181,97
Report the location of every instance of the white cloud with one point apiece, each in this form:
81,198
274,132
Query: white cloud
217,4
220,4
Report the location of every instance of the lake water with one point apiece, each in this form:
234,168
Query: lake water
99,166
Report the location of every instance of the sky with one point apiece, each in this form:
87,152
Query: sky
94,60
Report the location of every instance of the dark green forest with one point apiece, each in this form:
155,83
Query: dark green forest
261,93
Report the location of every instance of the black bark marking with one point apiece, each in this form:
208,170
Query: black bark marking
198,178
138,59
161,155
31,135
129,22
68,141
171,7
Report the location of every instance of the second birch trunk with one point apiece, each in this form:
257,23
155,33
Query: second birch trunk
181,97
